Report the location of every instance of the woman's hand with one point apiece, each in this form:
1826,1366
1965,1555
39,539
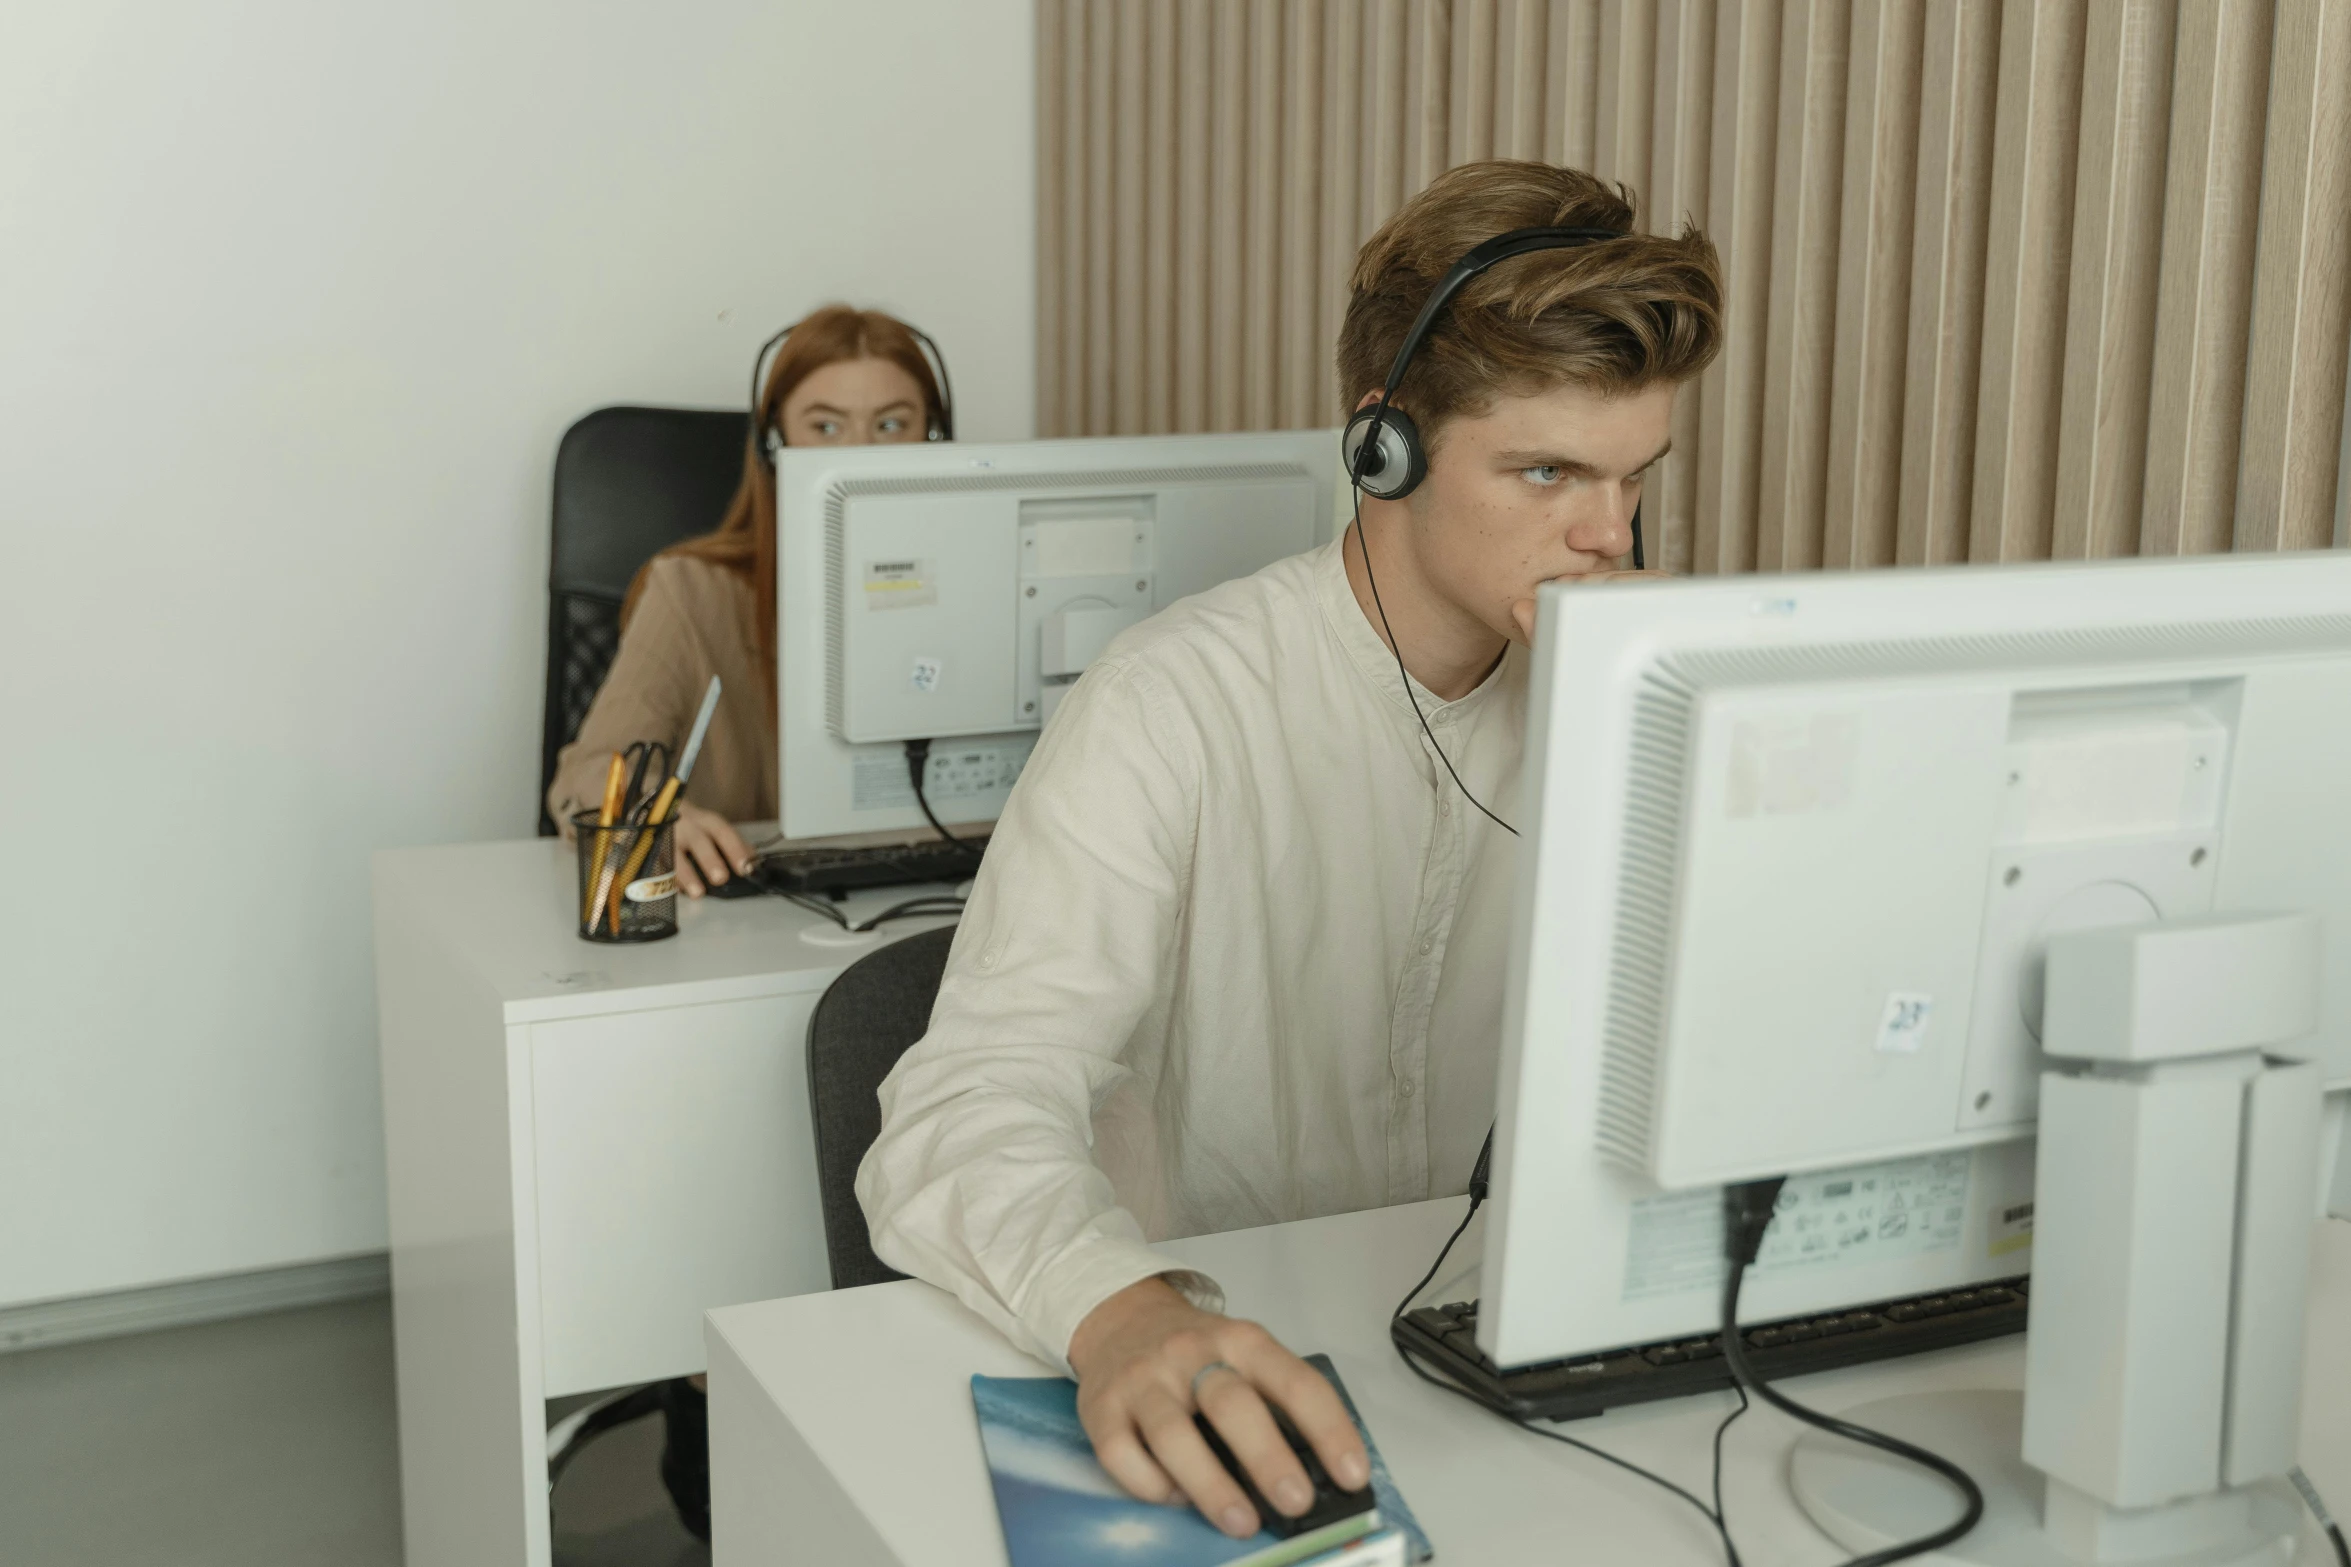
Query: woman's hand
1147,1357
709,850
1524,610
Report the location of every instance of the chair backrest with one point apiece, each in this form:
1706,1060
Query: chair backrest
863,1023
629,483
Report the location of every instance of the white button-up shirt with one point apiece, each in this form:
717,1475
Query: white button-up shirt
1235,957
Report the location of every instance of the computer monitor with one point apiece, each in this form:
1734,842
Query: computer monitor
953,592
1793,849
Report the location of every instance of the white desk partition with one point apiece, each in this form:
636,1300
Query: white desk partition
588,1146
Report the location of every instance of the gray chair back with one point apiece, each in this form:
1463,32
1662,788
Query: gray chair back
863,1023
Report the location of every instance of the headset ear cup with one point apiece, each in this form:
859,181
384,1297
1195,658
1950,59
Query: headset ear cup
1395,465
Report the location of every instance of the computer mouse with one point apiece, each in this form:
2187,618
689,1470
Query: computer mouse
1331,1503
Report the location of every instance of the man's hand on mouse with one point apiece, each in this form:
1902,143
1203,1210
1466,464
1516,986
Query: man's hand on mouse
1146,1358
1524,610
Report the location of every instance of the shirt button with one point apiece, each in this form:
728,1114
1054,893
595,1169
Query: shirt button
1428,947
1405,1088
1444,807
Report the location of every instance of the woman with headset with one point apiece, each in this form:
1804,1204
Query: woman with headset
843,377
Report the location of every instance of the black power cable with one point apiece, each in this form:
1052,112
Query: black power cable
918,761
1713,1515
1747,1213
2326,1520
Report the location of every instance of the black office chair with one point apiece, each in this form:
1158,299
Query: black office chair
863,1023
629,483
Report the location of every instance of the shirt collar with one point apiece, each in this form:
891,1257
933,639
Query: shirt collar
1371,654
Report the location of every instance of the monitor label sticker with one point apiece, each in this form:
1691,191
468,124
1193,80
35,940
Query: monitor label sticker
899,584
2012,1229
878,780
1861,1214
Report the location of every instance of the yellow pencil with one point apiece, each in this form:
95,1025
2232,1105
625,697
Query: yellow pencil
615,780
644,845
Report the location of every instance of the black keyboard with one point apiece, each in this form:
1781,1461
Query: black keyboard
828,871
1445,1337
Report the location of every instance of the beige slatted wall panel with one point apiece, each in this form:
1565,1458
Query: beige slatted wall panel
2006,278
1738,218
2294,399
2026,270
1680,159
2203,310
1950,221
2110,309
1873,286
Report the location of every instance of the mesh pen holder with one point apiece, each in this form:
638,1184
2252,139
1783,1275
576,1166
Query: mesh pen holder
628,887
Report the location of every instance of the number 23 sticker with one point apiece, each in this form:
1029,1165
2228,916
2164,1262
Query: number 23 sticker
1902,1028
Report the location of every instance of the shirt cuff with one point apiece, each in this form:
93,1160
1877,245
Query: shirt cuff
1084,1278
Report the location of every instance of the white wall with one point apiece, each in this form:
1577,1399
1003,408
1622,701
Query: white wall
295,300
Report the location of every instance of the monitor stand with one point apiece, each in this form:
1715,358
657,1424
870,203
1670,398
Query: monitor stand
2177,1186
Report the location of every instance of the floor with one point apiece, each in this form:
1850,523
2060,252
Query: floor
263,1442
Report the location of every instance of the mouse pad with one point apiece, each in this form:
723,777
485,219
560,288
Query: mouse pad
1057,1505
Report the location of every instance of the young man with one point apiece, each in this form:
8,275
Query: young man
1236,956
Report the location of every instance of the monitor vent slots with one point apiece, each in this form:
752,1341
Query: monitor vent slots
1648,855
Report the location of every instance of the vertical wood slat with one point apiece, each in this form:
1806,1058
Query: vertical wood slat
1470,84
1343,90
1524,38
2110,312
1100,150
2028,262
1624,96
1873,287
1196,28
1159,235
2004,278
1958,85
1739,220
1681,153
1800,341
1228,213
2288,474
1575,90
1256,347
1129,114
1299,398
2211,191
1053,212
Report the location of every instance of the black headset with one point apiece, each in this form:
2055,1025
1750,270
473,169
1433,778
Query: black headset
942,417
1385,458
1382,446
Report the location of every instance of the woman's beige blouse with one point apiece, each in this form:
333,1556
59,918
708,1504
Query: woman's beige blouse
695,620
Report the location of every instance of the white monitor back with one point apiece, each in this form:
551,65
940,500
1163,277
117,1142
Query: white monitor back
952,592
1794,849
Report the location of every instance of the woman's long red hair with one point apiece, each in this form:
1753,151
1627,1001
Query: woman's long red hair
745,541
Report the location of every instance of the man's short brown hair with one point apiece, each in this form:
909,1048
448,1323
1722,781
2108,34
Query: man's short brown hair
1614,316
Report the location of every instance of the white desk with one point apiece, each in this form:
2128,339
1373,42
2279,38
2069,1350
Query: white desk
588,1146
842,1432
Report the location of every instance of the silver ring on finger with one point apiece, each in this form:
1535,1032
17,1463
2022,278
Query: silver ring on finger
1214,1365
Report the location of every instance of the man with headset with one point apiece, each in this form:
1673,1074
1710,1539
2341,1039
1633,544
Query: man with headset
1236,954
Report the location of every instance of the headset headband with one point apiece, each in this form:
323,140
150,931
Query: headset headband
943,420
1502,247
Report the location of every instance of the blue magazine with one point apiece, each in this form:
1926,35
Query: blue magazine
1059,1508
